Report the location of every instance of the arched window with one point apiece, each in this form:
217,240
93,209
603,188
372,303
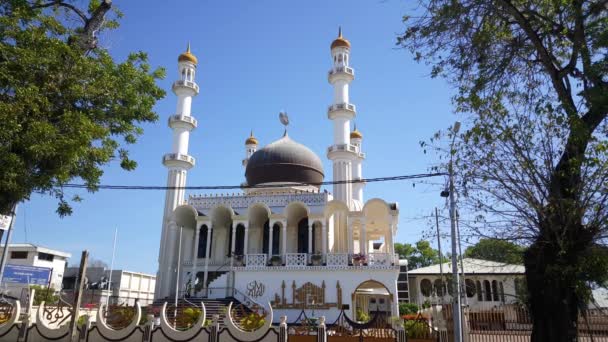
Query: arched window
469,288
276,236
303,236
202,241
266,229
479,291
495,290
487,290
439,287
239,243
183,74
426,287
501,289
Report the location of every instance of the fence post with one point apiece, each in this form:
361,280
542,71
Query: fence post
465,324
321,332
214,334
149,328
283,329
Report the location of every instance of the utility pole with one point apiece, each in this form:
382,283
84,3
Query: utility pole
8,241
439,246
78,297
456,306
464,280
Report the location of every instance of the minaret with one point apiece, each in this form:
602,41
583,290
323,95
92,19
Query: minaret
355,139
251,145
341,153
178,162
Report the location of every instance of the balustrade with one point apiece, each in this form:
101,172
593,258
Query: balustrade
256,260
336,259
296,259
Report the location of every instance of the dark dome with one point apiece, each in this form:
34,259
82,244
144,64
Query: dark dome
284,161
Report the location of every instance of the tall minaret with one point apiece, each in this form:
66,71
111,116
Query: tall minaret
341,153
355,139
251,145
178,162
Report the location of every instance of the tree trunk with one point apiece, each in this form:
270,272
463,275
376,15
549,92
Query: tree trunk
553,301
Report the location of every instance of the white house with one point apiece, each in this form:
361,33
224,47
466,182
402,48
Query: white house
126,286
26,254
282,239
488,283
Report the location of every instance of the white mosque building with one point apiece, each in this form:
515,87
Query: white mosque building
283,240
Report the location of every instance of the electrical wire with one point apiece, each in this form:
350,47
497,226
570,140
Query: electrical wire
244,186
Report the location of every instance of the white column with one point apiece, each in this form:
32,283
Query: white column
270,230
363,239
351,246
310,251
232,243
195,255
284,240
207,255
389,241
246,242
324,238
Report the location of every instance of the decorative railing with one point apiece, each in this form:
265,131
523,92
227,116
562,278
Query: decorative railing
338,70
342,147
177,156
256,260
336,259
187,84
380,259
296,259
182,118
341,106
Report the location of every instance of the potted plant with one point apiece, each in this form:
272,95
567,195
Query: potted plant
276,260
316,259
359,259
238,260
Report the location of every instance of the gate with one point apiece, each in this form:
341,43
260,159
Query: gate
377,329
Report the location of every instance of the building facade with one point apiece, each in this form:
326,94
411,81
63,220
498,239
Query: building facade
125,288
26,254
282,240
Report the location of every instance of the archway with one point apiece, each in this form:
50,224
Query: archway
372,297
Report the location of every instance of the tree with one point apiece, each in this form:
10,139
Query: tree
66,106
420,255
496,250
531,78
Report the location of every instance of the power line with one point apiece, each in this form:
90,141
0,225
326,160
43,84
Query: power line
277,185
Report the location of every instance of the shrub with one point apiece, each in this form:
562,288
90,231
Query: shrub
408,308
252,321
362,316
416,329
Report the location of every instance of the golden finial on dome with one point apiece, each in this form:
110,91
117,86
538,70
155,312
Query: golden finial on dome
355,134
251,140
340,41
187,56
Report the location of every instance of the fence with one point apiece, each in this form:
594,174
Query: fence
512,323
187,322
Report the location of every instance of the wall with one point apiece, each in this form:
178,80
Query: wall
349,278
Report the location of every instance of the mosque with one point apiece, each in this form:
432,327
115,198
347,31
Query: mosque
283,240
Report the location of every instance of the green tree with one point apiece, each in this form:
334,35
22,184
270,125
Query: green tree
66,106
532,79
496,250
420,255
44,294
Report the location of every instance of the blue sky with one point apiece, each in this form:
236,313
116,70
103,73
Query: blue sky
257,58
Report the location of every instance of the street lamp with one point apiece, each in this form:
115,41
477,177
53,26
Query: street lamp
456,285
456,306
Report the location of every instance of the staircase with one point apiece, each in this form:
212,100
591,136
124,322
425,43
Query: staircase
212,307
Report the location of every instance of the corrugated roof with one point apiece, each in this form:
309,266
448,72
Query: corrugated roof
472,266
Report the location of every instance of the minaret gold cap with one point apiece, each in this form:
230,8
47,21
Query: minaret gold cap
356,134
187,56
251,140
340,41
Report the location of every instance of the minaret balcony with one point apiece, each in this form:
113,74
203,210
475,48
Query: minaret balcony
178,160
183,84
337,110
342,72
344,150
182,121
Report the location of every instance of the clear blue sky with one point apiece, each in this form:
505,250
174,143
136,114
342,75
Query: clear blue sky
255,59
